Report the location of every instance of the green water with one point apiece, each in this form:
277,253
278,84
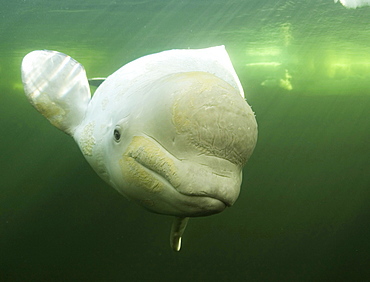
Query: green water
303,213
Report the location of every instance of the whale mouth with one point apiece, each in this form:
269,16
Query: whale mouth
164,178
169,179
192,184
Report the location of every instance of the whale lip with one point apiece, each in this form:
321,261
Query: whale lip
204,205
226,202
214,201
197,203
169,181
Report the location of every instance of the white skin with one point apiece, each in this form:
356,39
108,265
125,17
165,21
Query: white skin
170,131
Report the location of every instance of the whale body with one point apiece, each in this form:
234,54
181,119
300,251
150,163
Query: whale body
170,131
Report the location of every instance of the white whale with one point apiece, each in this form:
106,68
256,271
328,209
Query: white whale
170,131
353,4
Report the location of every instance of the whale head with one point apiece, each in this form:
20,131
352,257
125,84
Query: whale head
170,131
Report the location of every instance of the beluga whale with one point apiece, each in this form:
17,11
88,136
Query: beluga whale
170,131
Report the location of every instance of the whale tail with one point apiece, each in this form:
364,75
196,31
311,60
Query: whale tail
57,86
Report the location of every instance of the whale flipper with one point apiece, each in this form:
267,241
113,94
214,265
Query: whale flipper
177,230
56,85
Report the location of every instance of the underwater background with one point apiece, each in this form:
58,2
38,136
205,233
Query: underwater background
304,209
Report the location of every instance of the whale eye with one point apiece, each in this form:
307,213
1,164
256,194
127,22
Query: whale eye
116,134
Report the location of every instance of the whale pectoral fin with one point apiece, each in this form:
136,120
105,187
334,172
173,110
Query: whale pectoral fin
56,85
177,229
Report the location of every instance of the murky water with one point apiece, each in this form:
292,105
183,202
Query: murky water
304,207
